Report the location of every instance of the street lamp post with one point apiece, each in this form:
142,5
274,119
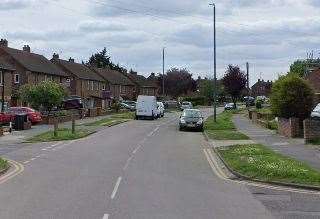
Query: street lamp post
2,95
215,63
163,93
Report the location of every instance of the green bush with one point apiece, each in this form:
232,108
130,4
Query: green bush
291,97
259,104
196,101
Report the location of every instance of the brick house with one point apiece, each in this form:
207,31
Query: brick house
261,88
143,85
29,68
83,82
120,86
6,78
314,80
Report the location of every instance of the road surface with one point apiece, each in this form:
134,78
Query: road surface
137,170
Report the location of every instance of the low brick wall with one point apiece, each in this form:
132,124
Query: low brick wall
1,131
311,129
92,112
289,127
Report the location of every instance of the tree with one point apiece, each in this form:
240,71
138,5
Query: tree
206,88
46,95
291,96
178,82
234,81
300,67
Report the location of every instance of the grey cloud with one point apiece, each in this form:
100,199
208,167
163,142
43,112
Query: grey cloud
101,26
14,4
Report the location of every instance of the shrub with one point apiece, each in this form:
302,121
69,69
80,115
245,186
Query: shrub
291,97
259,104
196,101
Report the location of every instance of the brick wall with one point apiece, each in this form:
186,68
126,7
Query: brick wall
311,129
289,127
7,86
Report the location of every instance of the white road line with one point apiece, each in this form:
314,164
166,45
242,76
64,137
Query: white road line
26,162
135,150
105,216
38,156
44,149
56,144
32,159
127,163
116,188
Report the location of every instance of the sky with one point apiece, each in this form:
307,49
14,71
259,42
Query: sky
269,34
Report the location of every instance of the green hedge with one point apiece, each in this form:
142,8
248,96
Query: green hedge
196,101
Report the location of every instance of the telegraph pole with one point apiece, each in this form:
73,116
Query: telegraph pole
2,104
215,64
248,85
163,93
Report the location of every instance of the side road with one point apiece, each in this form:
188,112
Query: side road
294,148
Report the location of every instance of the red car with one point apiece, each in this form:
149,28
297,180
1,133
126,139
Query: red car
6,117
33,116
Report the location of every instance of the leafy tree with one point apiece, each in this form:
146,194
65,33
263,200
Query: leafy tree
177,82
299,67
234,81
47,95
291,96
206,88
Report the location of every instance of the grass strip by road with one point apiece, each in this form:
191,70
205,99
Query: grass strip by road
113,120
260,163
223,129
4,165
63,135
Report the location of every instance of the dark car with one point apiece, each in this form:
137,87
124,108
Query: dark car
191,119
72,102
230,106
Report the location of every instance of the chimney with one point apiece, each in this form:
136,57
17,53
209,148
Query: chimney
71,60
4,42
153,75
55,56
26,48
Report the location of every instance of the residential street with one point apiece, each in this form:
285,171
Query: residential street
140,169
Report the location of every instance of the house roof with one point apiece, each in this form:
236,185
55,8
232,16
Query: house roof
33,62
114,77
5,65
79,70
141,81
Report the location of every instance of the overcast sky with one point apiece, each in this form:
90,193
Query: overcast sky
269,34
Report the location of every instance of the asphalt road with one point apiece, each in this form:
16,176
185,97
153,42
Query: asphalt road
141,169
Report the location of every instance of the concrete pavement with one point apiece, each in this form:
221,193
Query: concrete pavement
140,169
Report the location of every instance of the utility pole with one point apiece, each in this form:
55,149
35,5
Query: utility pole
163,93
2,80
248,85
214,64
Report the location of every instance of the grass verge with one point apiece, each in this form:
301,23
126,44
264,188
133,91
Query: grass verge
315,141
113,120
223,129
3,164
260,163
63,134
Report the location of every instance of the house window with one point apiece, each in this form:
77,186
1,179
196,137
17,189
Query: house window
92,85
98,85
88,85
16,78
123,89
1,78
103,87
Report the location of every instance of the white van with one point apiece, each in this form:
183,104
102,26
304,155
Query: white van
146,107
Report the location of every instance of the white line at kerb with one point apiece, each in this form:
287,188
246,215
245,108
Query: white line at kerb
105,216
116,188
127,163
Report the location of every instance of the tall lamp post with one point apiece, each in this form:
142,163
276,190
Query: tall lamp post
215,63
163,93
2,95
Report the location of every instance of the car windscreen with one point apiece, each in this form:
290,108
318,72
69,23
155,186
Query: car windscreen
317,109
191,113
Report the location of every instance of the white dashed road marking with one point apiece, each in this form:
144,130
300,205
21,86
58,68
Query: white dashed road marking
113,195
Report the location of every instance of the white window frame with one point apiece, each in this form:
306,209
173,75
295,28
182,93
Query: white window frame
88,85
103,87
15,77
1,77
92,85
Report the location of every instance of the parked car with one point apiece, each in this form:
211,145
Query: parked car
127,106
170,104
191,119
250,101
72,102
316,112
33,115
146,107
160,109
229,106
186,105
6,117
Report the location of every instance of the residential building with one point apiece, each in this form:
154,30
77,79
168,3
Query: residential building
83,82
29,68
6,78
121,87
314,80
261,88
143,85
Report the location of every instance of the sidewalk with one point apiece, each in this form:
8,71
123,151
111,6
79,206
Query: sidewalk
287,146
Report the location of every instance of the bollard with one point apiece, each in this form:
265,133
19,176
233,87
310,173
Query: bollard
55,128
73,125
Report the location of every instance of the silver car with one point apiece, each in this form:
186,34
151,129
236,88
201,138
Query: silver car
186,105
316,112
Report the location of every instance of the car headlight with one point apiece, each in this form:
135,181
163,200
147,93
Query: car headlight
182,120
200,121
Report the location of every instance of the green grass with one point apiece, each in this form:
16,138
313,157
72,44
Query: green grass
261,163
113,120
264,110
63,134
226,135
273,125
315,141
3,164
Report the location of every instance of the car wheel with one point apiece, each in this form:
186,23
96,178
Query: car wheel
180,128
